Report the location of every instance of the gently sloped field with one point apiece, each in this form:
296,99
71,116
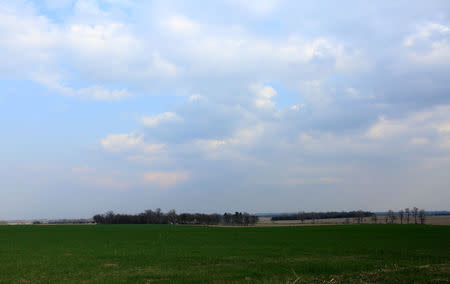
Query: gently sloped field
193,254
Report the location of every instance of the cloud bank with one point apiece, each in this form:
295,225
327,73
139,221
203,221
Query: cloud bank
270,106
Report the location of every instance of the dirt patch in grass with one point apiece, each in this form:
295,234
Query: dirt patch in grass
150,280
110,264
438,273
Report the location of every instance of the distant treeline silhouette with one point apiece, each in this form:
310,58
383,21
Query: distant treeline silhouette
171,217
322,215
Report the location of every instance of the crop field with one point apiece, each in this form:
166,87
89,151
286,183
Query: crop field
200,254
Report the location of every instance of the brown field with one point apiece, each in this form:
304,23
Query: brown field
430,220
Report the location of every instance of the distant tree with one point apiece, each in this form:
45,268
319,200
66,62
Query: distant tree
313,217
227,218
301,216
359,216
322,215
408,213
374,218
422,216
415,213
246,219
159,217
401,214
390,217
237,218
393,217
99,219
109,217
172,217
254,219
149,217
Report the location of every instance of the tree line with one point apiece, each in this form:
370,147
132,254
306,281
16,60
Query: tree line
323,215
405,215
171,217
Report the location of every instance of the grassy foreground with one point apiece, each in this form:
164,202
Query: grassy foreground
189,254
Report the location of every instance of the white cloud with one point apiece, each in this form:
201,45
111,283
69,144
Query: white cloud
314,92
296,107
264,95
90,7
120,142
59,4
166,178
26,40
100,93
416,133
249,135
112,52
216,51
163,66
93,92
352,91
129,142
211,144
34,47
429,45
443,127
257,7
419,141
106,40
155,120
385,127
425,32
431,121
182,25
196,97
103,47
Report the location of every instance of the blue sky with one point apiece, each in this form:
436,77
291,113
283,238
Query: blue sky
259,106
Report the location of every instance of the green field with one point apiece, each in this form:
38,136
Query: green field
191,254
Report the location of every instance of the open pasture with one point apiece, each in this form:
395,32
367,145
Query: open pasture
193,254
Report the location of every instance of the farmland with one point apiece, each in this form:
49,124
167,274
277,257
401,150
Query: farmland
192,254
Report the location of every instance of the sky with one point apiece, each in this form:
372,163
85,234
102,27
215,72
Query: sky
225,105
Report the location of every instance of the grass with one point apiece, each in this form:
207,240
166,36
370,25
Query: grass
193,254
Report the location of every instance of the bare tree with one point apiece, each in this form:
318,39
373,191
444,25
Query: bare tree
374,218
109,217
422,216
401,214
301,216
359,216
172,216
408,213
390,217
415,213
